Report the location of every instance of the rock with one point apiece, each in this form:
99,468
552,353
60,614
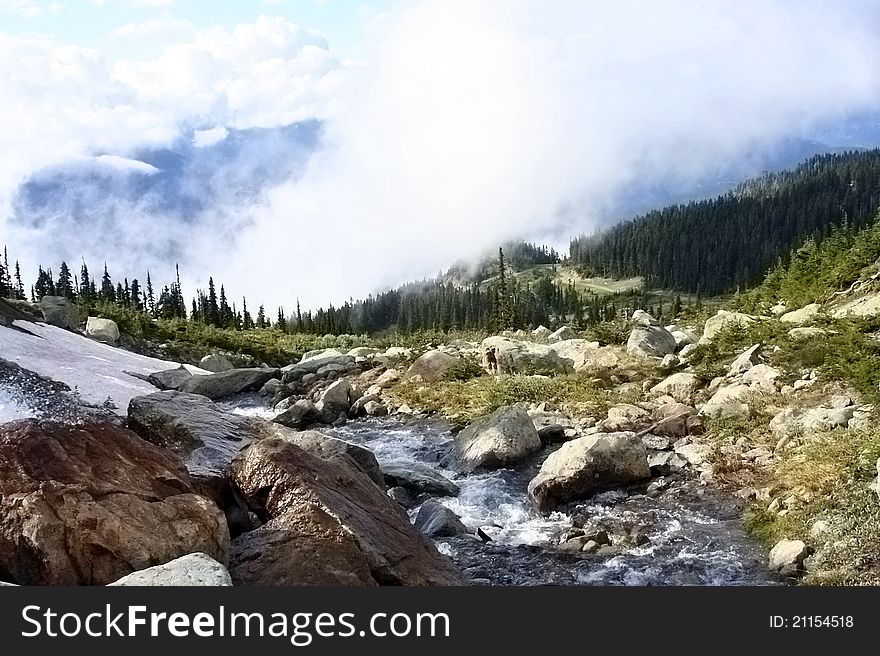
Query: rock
866,306
669,362
672,410
686,352
724,319
432,366
335,400
792,421
59,312
562,334
585,355
655,442
763,378
196,569
312,363
642,319
650,342
745,361
695,454
301,414
507,356
542,332
220,385
271,388
666,463
215,363
397,352
502,439
681,387
329,447
103,330
419,479
328,524
333,371
683,338
672,426
552,434
358,408
805,315
403,496
729,402
191,427
388,379
170,379
778,310
375,409
787,557
87,504
437,521
363,352
587,464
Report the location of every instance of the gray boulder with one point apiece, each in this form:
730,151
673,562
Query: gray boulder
503,355
300,414
588,464
215,364
502,439
562,334
435,520
681,387
650,342
220,385
312,363
432,366
59,312
418,478
745,361
787,557
195,569
722,320
170,379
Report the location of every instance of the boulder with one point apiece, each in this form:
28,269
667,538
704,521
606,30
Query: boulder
669,362
432,366
552,434
507,356
745,361
403,496
801,317
502,439
729,402
271,388
666,463
762,378
170,379
193,428
562,334
683,338
687,351
330,447
724,319
312,363
650,342
103,330
542,332
865,306
435,520
588,464
59,312
336,400
803,334
418,478
215,364
642,319
388,379
681,387
300,414
196,569
358,408
695,454
787,557
584,354
87,504
375,409
363,352
235,381
328,524
791,421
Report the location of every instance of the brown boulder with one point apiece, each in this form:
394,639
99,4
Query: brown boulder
328,524
91,503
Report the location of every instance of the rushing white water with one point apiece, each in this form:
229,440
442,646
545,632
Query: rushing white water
10,409
694,537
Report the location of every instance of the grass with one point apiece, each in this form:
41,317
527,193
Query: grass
464,400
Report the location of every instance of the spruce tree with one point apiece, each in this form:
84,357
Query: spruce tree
108,292
19,286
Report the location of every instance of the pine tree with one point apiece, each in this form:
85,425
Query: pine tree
261,317
135,295
247,321
281,323
213,310
19,286
108,292
85,283
151,300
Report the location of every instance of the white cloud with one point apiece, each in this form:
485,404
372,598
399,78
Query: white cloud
205,138
163,25
126,164
30,8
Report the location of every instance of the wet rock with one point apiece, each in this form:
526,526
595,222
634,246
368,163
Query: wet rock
328,524
271,388
300,414
502,439
403,496
220,385
552,434
435,520
358,408
418,478
88,504
329,447
196,569
587,464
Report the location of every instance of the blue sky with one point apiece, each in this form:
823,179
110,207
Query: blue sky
92,23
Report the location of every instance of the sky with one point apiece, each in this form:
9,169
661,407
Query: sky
322,149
